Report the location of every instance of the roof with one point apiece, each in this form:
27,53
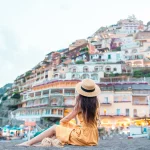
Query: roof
143,35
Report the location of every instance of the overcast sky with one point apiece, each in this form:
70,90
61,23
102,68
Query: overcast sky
29,29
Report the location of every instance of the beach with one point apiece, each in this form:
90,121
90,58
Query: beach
115,143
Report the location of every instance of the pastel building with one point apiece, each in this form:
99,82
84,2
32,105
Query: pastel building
124,104
139,57
109,56
83,71
52,100
129,43
130,25
120,104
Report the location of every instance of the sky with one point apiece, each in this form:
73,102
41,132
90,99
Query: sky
29,29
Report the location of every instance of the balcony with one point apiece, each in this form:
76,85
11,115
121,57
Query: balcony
56,92
105,104
139,103
45,95
126,101
69,92
35,113
139,100
56,101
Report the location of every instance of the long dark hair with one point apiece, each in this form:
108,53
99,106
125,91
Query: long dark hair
87,106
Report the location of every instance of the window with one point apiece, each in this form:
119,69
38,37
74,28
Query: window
94,76
118,112
85,76
73,76
74,70
47,111
124,98
127,112
96,69
53,102
105,99
85,69
54,111
115,69
134,112
60,112
109,56
115,99
108,69
118,56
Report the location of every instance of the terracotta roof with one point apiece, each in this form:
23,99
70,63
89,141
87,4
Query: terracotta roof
68,61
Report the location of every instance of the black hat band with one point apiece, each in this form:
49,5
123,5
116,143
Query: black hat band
85,90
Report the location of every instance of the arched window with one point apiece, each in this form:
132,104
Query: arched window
115,69
56,76
85,69
73,76
107,68
96,68
94,76
85,76
74,69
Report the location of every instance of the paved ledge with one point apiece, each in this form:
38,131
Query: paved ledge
116,143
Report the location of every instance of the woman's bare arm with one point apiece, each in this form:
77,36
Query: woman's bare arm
70,116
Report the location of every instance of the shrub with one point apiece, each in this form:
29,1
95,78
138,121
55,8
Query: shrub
4,98
85,49
63,57
16,95
141,73
28,73
79,62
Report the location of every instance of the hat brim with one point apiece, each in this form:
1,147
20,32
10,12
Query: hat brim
96,92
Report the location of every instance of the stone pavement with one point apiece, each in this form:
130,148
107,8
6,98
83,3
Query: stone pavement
118,143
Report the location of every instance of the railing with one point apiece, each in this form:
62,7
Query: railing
127,80
36,97
36,105
69,94
84,72
139,103
105,103
45,95
26,116
55,93
127,101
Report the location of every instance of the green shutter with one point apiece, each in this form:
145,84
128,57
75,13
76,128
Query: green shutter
109,56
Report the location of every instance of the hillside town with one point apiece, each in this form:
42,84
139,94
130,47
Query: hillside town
116,57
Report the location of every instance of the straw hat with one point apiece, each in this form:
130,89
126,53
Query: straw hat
88,88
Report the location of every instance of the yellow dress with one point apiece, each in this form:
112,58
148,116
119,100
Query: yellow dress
83,135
